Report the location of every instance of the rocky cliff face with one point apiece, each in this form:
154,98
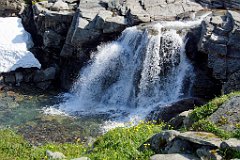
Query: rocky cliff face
66,31
220,41
97,21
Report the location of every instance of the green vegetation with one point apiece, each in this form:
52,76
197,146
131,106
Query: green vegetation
200,114
230,154
120,143
208,109
205,125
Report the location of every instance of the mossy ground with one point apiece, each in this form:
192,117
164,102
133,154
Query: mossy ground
120,143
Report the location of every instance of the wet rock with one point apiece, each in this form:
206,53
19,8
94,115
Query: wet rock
173,157
96,21
165,113
201,138
44,85
179,120
232,144
19,77
227,115
51,39
159,141
206,154
55,155
179,146
45,75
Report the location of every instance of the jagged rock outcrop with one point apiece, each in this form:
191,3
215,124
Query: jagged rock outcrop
65,32
102,20
219,40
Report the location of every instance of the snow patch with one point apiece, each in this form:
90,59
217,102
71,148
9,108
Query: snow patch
14,44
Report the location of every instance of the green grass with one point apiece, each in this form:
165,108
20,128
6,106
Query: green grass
200,114
207,126
13,146
120,143
208,109
124,143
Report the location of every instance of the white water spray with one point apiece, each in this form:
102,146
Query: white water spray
130,76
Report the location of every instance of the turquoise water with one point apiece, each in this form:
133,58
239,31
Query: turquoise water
25,114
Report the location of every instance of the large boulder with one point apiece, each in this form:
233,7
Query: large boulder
165,113
201,144
231,144
201,138
159,141
227,115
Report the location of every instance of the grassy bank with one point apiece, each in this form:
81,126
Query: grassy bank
120,143
200,115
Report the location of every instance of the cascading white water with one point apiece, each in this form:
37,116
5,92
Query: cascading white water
143,68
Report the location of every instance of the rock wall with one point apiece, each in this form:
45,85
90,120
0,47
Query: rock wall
65,32
98,21
221,4
220,41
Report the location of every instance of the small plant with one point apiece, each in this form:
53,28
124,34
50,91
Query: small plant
205,125
223,120
205,111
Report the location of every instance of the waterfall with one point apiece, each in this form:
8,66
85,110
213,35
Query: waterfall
141,69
